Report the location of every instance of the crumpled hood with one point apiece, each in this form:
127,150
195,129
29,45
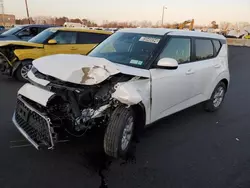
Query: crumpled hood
83,70
19,43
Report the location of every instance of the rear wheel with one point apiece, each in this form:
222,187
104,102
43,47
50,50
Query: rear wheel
22,71
216,100
119,132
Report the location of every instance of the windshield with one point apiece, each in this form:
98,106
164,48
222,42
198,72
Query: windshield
132,49
12,31
43,36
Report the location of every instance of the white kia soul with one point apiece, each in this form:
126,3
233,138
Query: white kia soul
132,79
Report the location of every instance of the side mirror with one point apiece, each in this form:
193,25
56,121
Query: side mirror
167,63
52,41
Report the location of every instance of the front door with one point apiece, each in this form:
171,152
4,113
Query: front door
171,89
66,44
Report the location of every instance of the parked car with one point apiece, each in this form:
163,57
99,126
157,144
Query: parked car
247,36
2,28
16,56
23,32
132,79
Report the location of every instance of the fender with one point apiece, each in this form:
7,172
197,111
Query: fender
18,63
210,89
126,94
135,93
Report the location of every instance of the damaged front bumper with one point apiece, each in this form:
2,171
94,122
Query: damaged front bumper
33,125
5,65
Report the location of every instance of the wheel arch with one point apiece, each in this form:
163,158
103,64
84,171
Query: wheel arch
226,82
223,77
140,117
18,63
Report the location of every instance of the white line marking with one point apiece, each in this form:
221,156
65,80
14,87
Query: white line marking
62,141
21,146
15,141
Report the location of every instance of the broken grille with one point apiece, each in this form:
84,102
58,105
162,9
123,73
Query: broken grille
33,125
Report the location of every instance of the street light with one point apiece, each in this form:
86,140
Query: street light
2,7
27,10
163,9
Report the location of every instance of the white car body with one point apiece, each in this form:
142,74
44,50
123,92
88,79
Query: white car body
161,91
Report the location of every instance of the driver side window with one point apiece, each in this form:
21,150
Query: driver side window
28,32
65,37
178,49
24,32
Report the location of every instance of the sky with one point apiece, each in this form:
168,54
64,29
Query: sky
203,11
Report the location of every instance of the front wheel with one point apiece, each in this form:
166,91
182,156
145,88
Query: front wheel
215,102
119,132
22,71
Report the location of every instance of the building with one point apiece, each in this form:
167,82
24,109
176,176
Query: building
7,20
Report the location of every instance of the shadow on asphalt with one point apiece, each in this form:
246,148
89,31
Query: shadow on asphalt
93,158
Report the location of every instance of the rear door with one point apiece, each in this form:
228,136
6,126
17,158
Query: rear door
205,62
66,43
86,41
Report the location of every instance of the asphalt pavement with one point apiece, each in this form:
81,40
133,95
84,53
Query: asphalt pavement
190,149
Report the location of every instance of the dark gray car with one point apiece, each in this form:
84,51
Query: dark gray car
23,32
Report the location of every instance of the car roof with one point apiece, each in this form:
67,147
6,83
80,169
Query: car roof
173,32
35,25
80,29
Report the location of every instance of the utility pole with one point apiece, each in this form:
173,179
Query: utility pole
27,10
2,7
162,20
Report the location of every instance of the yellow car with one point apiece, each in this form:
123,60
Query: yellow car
16,56
247,37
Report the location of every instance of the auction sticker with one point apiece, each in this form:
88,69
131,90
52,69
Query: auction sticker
150,40
136,62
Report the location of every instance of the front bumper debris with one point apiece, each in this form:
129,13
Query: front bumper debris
5,66
33,125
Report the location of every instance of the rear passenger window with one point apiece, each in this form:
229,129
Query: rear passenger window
178,49
217,46
90,38
204,49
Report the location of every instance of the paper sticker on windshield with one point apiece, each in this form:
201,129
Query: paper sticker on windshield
136,62
150,40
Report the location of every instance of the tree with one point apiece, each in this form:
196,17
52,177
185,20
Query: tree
60,21
76,20
84,21
225,25
24,21
18,21
214,25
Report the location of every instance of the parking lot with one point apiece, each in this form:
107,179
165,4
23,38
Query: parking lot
189,149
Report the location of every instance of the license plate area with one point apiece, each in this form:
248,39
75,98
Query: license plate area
23,113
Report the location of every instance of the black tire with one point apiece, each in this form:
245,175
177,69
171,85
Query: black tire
114,132
209,105
18,73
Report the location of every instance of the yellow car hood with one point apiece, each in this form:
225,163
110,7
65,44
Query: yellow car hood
19,43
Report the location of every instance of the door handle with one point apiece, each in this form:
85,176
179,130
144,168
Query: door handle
73,48
217,65
190,71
